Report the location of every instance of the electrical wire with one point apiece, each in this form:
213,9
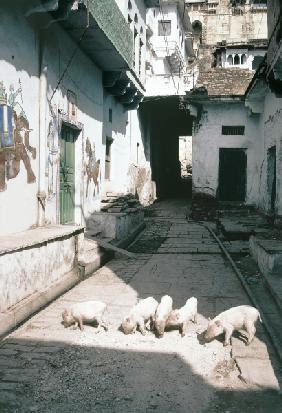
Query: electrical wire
167,49
72,55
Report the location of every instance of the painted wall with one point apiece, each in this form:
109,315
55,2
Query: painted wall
84,79
19,168
208,138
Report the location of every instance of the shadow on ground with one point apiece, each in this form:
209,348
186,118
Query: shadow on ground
49,376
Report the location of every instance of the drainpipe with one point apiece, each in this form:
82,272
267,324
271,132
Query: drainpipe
41,194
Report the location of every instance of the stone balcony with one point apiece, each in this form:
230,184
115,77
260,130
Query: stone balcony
101,31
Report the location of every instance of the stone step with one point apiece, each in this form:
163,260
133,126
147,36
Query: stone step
268,255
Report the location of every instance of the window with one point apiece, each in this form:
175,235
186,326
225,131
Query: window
134,47
164,28
72,105
243,59
236,59
137,153
233,130
140,56
230,60
109,142
110,115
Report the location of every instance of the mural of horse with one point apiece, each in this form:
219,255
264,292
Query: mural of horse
22,145
92,168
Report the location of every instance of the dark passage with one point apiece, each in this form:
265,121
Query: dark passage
232,174
167,120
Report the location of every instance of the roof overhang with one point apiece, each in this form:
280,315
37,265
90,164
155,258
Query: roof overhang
100,30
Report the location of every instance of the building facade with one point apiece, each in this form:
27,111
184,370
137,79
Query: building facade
239,121
72,74
169,49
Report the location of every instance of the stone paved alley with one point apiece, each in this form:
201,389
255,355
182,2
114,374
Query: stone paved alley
47,368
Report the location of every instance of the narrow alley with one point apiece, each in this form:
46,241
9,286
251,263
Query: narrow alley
48,368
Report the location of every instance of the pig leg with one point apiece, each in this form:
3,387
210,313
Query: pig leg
104,325
101,324
228,333
142,327
184,328
251,330
75,325
80,323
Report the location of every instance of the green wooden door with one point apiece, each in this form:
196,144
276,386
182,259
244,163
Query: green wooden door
67,185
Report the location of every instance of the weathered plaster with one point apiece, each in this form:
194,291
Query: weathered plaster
208,139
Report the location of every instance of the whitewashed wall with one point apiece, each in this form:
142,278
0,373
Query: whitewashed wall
84,79
208,138
160,80
271,125
250,55
19,62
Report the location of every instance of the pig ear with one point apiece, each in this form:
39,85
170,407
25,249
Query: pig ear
218,323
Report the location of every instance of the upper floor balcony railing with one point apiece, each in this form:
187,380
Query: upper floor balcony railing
171,51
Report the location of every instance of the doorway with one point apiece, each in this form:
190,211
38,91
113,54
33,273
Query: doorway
271,178
67,175
232,174
185,161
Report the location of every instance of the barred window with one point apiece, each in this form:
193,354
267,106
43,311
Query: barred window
164,28
233,130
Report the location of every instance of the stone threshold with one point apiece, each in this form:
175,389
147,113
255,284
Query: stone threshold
36,236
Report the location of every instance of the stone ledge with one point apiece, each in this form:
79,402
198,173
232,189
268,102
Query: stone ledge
25,308
18,313
268,255
36,236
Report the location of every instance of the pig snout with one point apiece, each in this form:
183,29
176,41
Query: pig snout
214,329
68,319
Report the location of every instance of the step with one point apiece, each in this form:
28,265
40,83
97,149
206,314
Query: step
268,255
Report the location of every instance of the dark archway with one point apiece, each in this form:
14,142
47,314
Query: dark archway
167,122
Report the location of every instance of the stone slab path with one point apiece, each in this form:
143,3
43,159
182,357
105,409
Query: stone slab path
47,368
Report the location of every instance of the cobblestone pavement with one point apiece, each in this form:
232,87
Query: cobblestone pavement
47,368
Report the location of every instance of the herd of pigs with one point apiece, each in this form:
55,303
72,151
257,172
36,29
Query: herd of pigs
148,314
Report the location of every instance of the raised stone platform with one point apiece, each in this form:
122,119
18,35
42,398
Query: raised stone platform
268,255
116,225
241,224
38,265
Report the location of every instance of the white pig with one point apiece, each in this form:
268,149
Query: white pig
236,318
181,317
85,311
163,311
139,315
